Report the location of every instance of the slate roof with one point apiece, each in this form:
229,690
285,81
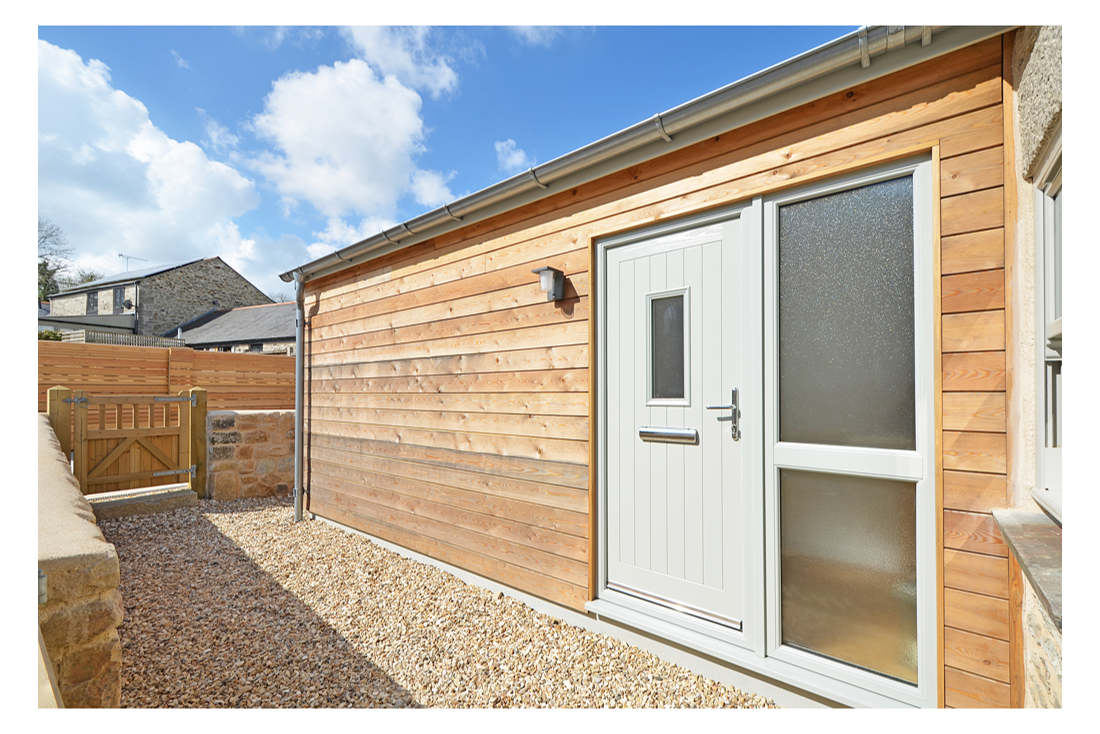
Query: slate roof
127,277
268,322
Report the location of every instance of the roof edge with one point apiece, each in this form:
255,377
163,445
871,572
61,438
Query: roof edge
850,59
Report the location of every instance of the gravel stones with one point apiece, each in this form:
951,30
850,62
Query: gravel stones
232,604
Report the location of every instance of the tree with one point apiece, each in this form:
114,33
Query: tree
53,258
82,276
47,278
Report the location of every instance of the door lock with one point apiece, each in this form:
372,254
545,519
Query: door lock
734,417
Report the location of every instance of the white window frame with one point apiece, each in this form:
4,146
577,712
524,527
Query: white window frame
652,401
917,466
1048,331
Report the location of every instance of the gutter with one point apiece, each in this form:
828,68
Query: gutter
851,59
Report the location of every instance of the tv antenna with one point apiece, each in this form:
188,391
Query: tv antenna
128,258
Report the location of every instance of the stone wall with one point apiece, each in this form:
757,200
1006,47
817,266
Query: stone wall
1042,654
170,298
79,621
250,453
69,305
1037,71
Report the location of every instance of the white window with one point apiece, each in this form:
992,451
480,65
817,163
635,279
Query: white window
1048,298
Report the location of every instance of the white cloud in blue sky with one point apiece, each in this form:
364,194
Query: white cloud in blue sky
404,53
180,61
511,158
536,35
115,182
218,137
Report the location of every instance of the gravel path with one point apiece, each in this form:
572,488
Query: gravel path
232,604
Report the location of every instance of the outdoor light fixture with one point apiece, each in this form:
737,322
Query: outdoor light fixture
552,282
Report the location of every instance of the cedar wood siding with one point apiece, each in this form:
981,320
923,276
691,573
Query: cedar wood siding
449,409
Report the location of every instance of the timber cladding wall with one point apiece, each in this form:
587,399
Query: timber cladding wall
448,403
232,381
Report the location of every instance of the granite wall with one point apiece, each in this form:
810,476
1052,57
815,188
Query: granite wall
170,298
250,453
1042,654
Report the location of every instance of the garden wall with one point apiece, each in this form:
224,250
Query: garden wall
79,621
250,453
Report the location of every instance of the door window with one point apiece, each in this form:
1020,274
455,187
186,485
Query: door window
668,347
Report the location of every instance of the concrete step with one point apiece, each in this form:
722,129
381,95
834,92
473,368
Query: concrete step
141,501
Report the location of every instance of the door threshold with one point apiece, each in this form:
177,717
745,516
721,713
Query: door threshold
617,607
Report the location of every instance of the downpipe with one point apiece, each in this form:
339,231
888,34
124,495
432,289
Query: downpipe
299,365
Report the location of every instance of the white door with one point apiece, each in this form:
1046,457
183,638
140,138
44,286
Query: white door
679,327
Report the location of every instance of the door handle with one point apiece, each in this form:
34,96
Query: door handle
734,417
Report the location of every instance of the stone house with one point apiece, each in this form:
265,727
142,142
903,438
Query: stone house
153,300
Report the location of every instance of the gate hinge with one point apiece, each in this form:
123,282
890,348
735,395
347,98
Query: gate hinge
162,399
172,472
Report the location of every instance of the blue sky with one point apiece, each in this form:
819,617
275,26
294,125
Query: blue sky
272,146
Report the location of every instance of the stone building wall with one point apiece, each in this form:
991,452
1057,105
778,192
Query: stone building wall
69,305
250,453
1042,654
77,304
1037,70
170,298
79,621
1036,80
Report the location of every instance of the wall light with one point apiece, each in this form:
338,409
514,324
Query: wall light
552,282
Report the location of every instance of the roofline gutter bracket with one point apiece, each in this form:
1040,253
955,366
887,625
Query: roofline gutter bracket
661,129
535,178
864,48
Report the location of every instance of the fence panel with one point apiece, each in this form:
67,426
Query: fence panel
232,381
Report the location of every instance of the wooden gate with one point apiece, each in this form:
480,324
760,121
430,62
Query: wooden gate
131,441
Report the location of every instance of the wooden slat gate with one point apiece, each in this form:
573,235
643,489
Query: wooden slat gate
131,441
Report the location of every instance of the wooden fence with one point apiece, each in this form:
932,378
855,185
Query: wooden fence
232,381
91,336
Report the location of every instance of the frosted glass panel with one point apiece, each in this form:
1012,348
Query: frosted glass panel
846,318
667,321
848,555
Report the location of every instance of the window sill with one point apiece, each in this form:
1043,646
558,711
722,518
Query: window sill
1036,541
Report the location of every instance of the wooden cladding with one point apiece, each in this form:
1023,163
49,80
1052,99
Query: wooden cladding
449,405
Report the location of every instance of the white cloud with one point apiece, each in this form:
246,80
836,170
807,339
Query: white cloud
114,182
510,157
275,37
430,188
218,136
536,35
180,61
404,53
338,234
344,139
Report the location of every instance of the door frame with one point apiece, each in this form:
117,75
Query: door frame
751,636
748,649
